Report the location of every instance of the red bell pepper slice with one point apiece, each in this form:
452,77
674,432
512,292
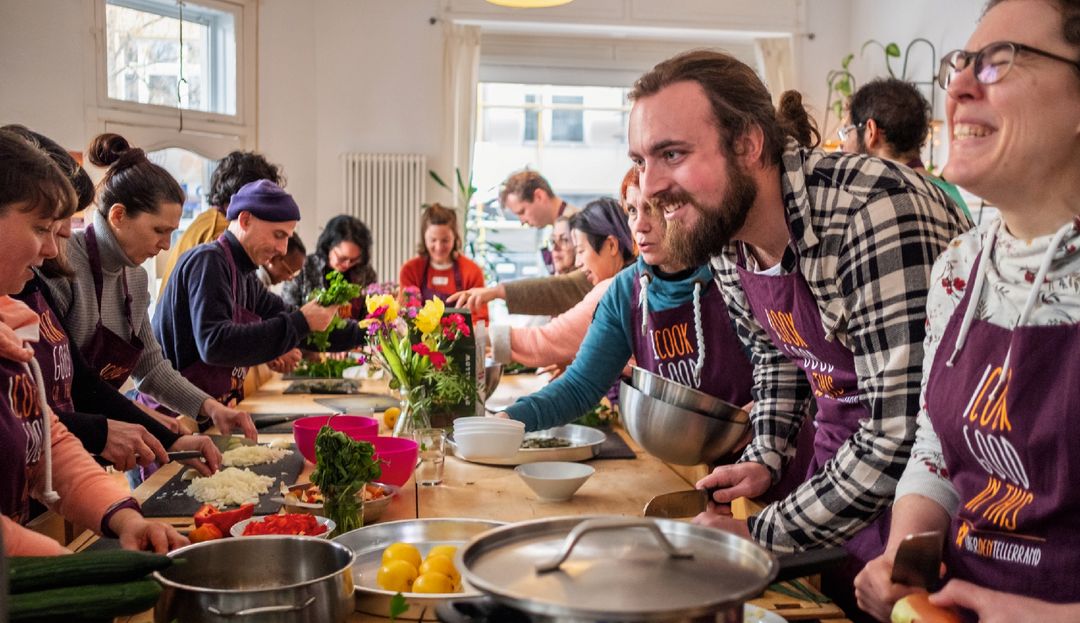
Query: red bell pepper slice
224,520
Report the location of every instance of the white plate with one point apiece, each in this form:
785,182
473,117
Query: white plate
756,614
238,528
585,444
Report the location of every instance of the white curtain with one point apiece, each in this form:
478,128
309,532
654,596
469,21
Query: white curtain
777,64
461,68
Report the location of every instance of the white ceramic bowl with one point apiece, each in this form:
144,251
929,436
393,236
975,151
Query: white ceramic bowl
238,528
486,428
488,444
469,422
554,481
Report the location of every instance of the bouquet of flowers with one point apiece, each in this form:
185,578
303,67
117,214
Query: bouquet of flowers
412,340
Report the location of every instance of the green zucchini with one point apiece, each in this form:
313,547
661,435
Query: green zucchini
43,572
96,601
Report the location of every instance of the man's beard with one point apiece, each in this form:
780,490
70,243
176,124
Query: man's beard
693,245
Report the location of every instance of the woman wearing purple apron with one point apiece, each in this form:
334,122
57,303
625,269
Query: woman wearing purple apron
603,246
670,318
440,269
996,461
105,307
215,318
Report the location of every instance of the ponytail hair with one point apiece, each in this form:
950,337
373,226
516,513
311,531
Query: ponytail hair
795,121
132,180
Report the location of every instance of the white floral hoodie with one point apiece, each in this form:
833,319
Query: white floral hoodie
1010,274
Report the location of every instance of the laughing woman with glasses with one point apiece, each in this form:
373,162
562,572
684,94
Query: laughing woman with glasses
996,459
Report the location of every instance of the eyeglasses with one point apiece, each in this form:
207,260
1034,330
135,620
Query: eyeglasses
991,63
844,130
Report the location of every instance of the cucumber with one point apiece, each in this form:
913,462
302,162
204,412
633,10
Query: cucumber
80,603
45,572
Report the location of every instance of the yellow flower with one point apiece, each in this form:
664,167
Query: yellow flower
429,316
383,301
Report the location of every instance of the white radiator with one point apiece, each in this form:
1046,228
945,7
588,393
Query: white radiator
386,192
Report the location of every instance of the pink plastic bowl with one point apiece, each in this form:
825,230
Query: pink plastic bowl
355,426
398,456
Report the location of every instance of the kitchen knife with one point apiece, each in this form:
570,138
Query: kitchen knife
181,455
679,503
918,560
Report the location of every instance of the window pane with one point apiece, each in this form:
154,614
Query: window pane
531,116
193,172
567,125
145,55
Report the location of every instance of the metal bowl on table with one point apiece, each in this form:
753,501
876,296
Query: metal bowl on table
492,375
271,579
373,509
677,435
369,542
688,398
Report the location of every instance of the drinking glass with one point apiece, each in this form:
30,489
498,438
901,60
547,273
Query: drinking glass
432,442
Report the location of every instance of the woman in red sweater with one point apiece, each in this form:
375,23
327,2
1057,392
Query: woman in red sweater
440,269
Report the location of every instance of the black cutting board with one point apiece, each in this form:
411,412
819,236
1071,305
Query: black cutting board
171,501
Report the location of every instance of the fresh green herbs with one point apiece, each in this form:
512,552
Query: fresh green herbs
342,467
329,369
600,415
398,606
339,291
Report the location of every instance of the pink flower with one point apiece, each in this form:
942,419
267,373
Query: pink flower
437,359
421,349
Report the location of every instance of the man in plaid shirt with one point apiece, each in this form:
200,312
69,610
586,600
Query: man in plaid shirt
824,261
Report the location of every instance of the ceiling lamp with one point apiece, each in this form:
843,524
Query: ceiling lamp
529,4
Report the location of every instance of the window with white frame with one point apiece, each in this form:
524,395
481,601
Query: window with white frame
155,57
175,73
575,136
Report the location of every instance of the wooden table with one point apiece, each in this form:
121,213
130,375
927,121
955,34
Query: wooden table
619,487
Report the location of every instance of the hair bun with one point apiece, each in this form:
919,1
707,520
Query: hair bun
794,119
109,149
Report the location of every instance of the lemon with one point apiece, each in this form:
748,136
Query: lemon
396,575
432,582
390,417
441,564
402,551
443,550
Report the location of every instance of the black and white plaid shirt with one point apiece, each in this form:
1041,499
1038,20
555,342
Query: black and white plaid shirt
865,234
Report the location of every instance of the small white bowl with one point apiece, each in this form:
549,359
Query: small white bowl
554,481
488,444
468,422
238,528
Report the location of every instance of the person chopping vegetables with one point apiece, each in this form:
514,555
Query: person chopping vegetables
215,317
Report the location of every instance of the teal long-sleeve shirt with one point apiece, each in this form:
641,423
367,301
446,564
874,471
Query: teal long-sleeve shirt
607,347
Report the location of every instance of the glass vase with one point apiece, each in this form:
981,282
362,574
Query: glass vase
345,509
413,415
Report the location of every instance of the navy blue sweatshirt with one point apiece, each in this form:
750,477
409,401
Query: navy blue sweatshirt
194,318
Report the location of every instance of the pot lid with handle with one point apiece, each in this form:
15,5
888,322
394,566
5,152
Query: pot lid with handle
616,568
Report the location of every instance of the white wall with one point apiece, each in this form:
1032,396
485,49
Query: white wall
43,47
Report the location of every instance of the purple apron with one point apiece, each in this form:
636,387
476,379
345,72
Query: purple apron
224,383
784,306
21,438
670,346
1017,528
110,355
53,352
428,292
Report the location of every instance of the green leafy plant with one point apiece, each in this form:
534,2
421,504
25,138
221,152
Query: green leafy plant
600,415
342,467
339,291
890,50
328,369
841,84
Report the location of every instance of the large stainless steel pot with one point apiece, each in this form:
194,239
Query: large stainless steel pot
269,579
618,569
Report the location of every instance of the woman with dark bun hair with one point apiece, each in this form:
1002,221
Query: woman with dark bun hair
105,308
345,246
